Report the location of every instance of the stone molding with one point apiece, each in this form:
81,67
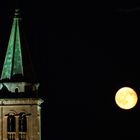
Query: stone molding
21,101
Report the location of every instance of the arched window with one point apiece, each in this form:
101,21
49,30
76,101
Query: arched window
22,122
11,123
22,126
16,90
11,127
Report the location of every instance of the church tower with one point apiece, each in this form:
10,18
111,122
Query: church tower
20,105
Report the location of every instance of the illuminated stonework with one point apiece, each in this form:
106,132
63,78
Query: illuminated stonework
30,107
20,107
20,86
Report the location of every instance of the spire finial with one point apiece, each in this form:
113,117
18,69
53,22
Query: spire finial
17,13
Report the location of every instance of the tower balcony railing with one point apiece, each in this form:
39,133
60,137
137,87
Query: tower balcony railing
11,135
22,136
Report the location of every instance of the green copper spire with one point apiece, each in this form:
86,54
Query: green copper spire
13,64
13,60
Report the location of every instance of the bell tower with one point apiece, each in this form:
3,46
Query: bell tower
20,105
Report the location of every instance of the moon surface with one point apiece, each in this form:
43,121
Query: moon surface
126,98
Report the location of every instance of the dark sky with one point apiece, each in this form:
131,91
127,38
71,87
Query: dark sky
82,54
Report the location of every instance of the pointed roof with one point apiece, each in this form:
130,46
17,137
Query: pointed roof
17,60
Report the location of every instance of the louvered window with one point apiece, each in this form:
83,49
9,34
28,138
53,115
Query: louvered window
22,126
11,127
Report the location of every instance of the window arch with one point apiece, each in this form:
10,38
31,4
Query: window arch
11,126
22,126
16,90
22,122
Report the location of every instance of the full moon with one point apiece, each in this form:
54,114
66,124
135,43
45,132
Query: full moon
126,98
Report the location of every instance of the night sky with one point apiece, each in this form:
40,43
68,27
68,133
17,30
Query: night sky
82,55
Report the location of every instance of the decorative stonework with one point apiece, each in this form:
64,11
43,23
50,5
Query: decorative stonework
30,107
20,86
20,107
21,101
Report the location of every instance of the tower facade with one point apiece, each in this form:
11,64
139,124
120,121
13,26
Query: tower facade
20,105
